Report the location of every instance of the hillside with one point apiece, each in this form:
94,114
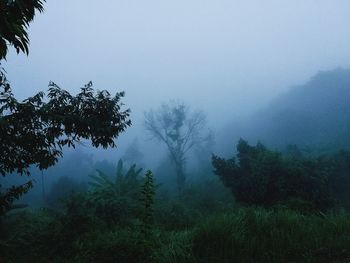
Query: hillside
315,115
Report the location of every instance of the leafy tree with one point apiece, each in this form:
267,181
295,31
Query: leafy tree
15,16
33,131
265,178
180,130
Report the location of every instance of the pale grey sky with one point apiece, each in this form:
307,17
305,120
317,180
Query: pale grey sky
226,57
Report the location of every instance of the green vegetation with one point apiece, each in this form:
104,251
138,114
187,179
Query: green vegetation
263,205
315,116
239,235
34,131
265,178
14,22
258,235
126,217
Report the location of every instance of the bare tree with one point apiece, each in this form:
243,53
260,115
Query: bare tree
180,130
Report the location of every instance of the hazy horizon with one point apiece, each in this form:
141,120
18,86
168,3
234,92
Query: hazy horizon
227,58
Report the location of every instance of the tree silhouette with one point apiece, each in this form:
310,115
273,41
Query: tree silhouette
15,17
180,130
34,131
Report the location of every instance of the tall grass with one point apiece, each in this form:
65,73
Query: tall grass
174,248
257,235
240,235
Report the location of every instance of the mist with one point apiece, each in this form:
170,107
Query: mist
265,86
228,58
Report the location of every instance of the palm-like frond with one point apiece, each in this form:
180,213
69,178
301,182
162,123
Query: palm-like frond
126,183
100,180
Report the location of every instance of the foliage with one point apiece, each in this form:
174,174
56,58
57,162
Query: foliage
91,225
50,234
119,245
180,130
240,235
199,200
12,194
115,200
263,177
15,16
314,115
147,200
339,163
25,231
73,236
62,188
175,247
33,132
125,182
257,235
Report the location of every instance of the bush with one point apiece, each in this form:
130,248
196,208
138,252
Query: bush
62,188
198,200
121,245
115,200
33,237
265,178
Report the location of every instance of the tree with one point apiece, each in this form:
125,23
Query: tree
34,131
15,16
265,178
180,130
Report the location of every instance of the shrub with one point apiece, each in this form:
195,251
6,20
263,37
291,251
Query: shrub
62,188
120,245
115,200
265,178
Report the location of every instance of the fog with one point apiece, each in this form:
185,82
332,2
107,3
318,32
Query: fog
239,147
227,58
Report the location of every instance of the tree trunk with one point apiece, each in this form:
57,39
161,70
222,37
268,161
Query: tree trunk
180,176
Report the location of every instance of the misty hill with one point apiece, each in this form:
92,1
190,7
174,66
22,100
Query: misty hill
315,115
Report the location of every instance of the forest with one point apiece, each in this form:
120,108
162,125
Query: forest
269,186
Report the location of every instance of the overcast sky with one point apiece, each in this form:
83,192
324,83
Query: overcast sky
227,57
